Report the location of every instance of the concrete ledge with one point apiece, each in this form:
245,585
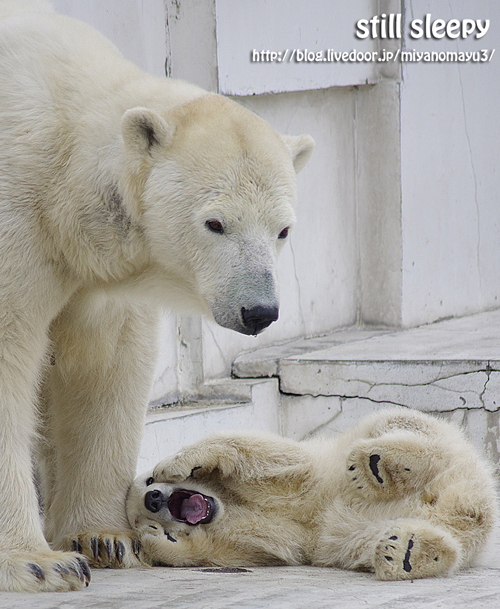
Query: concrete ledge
451,368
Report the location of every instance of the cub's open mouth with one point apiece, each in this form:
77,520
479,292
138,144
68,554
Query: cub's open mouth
191,507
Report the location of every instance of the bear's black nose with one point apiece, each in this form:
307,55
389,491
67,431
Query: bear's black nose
153,501
258,318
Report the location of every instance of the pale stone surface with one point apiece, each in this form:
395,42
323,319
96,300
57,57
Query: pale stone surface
265,361
304,416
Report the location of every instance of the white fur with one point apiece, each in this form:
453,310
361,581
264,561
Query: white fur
107,179
402,494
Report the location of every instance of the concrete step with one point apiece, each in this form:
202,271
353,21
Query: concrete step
227,404
451,368
322,386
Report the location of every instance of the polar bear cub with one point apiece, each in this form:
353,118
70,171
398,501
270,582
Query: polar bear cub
403,494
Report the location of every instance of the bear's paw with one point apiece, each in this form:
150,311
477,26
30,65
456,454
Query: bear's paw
111,549
43,571
414,550
175,469
388,469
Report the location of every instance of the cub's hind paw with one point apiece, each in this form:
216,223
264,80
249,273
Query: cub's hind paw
390,468
368,472
415,550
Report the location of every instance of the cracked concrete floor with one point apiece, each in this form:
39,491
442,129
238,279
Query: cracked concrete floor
273,587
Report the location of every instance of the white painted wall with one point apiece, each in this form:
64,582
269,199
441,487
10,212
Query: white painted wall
290,29
137,27
450,146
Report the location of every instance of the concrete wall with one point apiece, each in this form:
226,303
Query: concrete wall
450,146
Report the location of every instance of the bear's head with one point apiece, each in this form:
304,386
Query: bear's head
213,188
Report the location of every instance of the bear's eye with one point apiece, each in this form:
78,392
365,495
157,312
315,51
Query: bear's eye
284,233
215,226
149,481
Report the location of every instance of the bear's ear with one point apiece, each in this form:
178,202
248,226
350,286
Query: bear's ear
300,147
144,129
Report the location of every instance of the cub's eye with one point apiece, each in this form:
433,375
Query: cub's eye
149,481
284,233
215,226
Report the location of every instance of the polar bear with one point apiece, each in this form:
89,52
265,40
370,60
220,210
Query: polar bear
403,494
120,193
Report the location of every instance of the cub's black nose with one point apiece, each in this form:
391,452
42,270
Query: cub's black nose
258,318
153,501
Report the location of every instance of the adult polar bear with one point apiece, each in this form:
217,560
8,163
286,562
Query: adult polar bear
118,192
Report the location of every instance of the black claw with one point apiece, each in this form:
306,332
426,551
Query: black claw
352,468
393,537
120,551
109,548
85,569
75,568
94,546
136,547
389,558
61,569
37,571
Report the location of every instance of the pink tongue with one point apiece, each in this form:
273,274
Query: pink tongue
194,509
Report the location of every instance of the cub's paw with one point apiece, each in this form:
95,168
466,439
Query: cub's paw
43,571
414,550
175,469
112,549
391,469
218,455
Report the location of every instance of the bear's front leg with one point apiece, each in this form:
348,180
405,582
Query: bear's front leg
244,456
199,460
96,399
27,563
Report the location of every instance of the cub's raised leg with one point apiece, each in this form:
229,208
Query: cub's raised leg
399,452
395,464
244,457
424,474
412,549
